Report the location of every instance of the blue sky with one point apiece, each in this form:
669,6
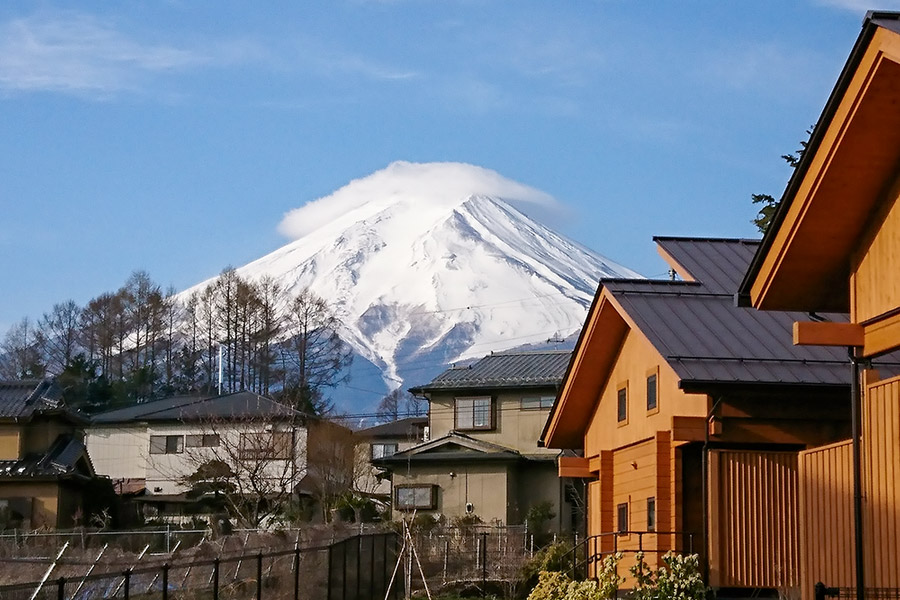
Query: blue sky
174,136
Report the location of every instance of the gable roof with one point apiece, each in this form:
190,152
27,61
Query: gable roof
696,328
503,370
408,428
24,399
452,447
833,194
237,406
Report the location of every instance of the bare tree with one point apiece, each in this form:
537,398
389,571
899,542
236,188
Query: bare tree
20,357
57,335
320,358
249,467
399,404
332,463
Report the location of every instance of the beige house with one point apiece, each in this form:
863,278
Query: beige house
382,441
152,447
45,472
482,457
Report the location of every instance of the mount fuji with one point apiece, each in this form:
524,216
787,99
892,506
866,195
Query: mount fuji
429,264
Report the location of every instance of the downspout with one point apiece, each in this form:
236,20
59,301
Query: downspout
856,424
705,494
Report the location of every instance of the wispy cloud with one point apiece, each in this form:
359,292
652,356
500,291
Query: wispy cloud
861,6
75,53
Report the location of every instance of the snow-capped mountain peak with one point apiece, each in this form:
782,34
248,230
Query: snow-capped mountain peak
433,263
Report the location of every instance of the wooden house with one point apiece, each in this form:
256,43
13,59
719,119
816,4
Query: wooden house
690,413
45,472
834,245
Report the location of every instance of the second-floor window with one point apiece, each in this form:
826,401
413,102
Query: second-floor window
382,450
266,445
622,405
652,402
537,402
204,440
166,444
474,413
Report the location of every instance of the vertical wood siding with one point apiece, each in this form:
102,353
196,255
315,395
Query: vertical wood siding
881,473
826,517
754,519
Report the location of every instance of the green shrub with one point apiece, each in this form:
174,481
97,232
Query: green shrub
608,579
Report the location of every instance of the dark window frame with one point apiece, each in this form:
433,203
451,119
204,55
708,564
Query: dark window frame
622,404
201,440
651,513
537,402
383,454
167,444
622,517
653,391
469,425
417,504
276,447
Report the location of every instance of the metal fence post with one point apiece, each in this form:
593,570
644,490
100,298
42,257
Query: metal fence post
483,562
165,581
127,583
216,578
259,576
297,573
61,590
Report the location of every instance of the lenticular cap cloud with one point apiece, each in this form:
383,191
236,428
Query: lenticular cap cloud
435,184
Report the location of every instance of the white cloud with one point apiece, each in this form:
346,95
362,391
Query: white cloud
862,6
442,183
70,52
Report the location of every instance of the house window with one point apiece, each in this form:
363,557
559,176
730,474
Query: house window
622,517
266,445
383,450
166,444
474,413
622,405
651,392
206,440
415,496
537,402
651,514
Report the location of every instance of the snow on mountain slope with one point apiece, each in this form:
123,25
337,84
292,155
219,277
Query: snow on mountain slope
431,263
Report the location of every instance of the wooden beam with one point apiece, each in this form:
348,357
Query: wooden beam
575,466
814,333
688,429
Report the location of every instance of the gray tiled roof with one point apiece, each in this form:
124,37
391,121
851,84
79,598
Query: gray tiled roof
237,406
706,339
408,428
22,399
504,370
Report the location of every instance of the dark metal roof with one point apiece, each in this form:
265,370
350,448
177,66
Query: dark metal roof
237,406
22,399
408,428
504,370
706,339
718,263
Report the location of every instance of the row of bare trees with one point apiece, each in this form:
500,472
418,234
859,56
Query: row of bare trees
141,342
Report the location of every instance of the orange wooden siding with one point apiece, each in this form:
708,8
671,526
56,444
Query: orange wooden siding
826,517
753,519
881,472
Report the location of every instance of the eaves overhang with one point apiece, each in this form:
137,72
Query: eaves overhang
588,369
805,259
